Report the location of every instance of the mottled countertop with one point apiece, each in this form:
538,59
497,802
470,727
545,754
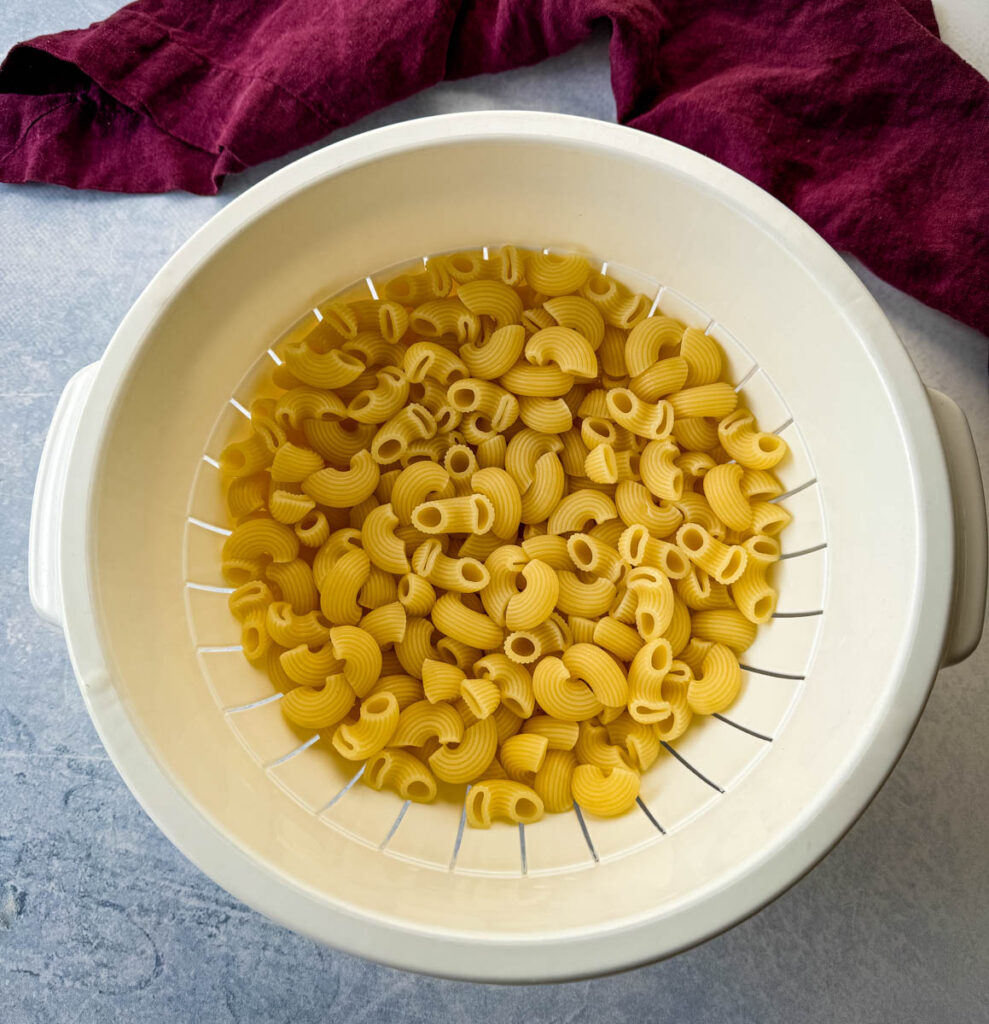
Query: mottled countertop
102,919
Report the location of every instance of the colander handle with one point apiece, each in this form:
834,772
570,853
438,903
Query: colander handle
44,580
968,604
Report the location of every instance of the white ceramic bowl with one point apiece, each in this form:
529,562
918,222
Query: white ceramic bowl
884,579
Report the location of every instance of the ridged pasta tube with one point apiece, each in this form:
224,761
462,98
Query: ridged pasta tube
452,617
545,491
424,720
512,679
501,490
546,415
579,315
505,799
717,686
403,772
474,394
378,539
481,696
492,298
384,400
577,510
312,708
560,695
645,419
606,792
463,575
726,626
714,400
473,513
599,671
722,488
647,340
638,547
261,538
636,505
371,732
660,379
419,482
560,735
591,554
563,348
466,760
553,780
394,436
533,605
724,562
752,591
344,488
429,359
341,586
659,471
537,381
588,599
748,446
491,357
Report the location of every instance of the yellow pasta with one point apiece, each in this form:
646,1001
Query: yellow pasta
313,708
342,585
648,339
470,756
492,298
452,617
605,792
425,720
722,488
534,604
560,695
566,349
555,274
503,798
753,594
513,681
703,357
491,357
501,529
404,773
724,562
463,575
370,733
659,471
726,626
378,539
715,400
716,686
646,419
547,415
344,488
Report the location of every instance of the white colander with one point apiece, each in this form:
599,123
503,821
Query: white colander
883,577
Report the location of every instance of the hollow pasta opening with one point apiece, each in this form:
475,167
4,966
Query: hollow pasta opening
389,449
459,462
232,460
360,402
763,607
646,623
483,516
377,705
734,564
463,397
601,286
429,517
525,808
764,546
675,562
417,790
472,572
522,647
769,444
692,539
659,660
581,553
462,264
622,401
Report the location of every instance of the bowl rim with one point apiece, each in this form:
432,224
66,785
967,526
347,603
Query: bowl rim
511,958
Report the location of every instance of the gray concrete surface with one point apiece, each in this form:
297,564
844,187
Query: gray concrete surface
101,919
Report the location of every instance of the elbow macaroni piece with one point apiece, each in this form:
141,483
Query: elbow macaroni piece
501,528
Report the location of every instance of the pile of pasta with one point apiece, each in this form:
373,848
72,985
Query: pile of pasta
502,529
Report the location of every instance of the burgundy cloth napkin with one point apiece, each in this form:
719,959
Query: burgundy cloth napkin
850,111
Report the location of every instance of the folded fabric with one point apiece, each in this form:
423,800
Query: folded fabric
850,111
